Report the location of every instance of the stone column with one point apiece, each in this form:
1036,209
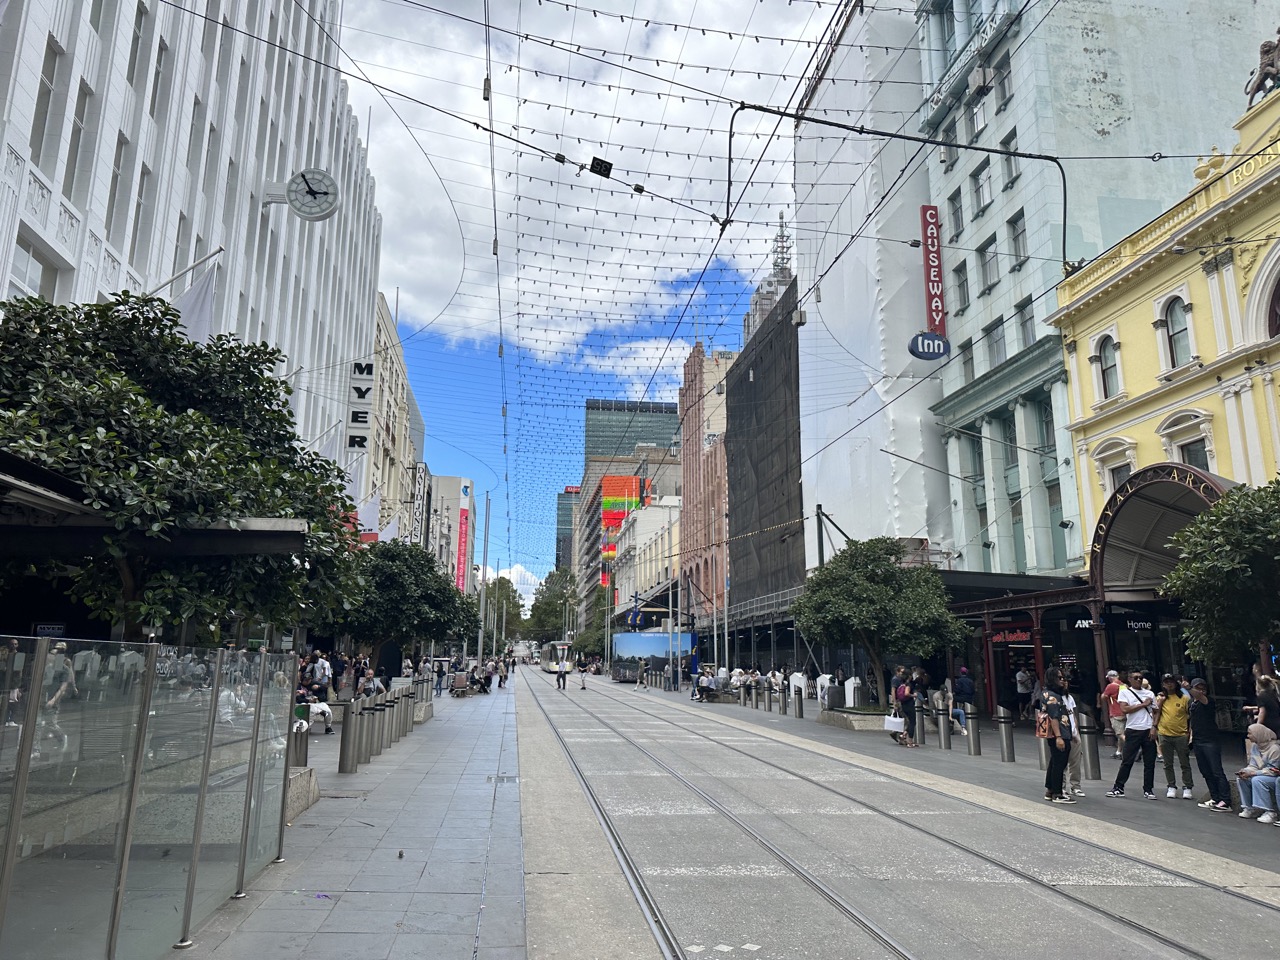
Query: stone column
1035,498
1068,470
962,23
999,520
964,515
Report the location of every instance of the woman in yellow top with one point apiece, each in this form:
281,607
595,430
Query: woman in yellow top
1172,707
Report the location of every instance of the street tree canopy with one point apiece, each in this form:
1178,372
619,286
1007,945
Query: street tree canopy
164,434
1228,576
865,596
406,597
546,617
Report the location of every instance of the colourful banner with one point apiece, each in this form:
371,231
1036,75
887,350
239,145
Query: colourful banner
460,577
618,497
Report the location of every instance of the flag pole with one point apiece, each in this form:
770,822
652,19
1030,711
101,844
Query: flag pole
182,273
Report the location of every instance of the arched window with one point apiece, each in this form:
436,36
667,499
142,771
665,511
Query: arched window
1273,313
1179,336
1109,362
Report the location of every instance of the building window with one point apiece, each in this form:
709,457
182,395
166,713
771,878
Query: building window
95,16
1048,433
947,19
977,117
1177,332
44,98
950,153
1004,83
1025,318
75,141
961,276
157,77
996,351
113,192
966,360
32,274
980,181
135,45
1011,168
1119,475
139,212
1018,240
1109,365
989,263
955,212
1114,460
1195,454
1273,313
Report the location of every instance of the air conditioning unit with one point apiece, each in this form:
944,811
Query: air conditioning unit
798,318
981,80
946,155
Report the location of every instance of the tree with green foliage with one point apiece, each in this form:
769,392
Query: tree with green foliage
1228,576
589,640
546,617
406,598
866,596
164,434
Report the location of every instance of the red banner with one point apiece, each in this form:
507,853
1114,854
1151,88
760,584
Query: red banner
460,578
935,307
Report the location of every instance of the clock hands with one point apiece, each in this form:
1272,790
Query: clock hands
312,191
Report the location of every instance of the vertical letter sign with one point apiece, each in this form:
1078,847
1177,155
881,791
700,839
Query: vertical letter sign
932,343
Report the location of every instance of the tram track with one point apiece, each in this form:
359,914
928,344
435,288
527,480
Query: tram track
1164,941
667,942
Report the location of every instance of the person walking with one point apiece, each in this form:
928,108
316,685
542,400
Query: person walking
562,671
1172,708
1071,780
963,694
641,667
1257,779
1055,726
1202,724
582,672
1138,706
1115,716
1025,681
439,678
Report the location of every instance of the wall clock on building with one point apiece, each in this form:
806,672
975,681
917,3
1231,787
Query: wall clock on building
312,194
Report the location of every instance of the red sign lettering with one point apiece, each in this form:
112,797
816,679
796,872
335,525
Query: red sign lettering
935,308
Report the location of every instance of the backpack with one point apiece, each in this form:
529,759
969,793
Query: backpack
1044,723
903,693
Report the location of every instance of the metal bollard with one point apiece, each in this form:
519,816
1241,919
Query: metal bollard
782,698
755,697
414,696
298,749
364,725
975,731
768,699
921,736
1089,747
1042,748
348,756
944,728
1004,722
799,700
379,722
742,696
389,726
394,718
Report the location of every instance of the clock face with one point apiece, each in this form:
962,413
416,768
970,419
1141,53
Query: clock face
313,195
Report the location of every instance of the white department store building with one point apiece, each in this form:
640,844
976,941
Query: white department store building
137,137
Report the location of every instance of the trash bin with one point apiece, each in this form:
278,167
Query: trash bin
859,693
835,696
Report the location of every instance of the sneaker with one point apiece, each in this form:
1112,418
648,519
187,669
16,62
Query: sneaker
1077,792
1064,799
1207,804
1147,794
1248,813
1267,817
10,724
1116,755
1187,794
1171,793
1115,792
964,732
1221,807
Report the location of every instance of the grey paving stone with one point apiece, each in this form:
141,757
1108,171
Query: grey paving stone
426,946
346,946
363,921
292,921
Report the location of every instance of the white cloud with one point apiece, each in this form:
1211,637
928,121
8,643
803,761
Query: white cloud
526,581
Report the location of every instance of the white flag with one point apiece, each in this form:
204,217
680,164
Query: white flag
196,305
371,513
392,530
329,449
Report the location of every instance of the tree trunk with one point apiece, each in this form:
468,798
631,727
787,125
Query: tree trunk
877,667
1264,656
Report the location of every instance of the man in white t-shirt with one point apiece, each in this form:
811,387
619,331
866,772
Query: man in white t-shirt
1138,707
1025,680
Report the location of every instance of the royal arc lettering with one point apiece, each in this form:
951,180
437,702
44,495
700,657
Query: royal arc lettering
1258,162
935,307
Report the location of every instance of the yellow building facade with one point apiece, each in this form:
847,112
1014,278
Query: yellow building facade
1171,345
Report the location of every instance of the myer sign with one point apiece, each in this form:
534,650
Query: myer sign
360,406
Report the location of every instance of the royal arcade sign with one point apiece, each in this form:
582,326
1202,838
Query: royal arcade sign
932,343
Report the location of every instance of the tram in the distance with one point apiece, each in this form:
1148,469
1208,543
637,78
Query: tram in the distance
552,653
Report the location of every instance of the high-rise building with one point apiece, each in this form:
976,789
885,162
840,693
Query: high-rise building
704,480
392,453
565,502
139,138
870,447
451,530
613,427
1015,76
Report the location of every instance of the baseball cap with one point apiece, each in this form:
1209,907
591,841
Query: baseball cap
1111,674
964,670
1198,682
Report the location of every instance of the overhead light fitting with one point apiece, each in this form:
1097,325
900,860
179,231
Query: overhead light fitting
1066,524
987,544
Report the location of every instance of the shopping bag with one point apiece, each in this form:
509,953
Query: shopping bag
894,724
